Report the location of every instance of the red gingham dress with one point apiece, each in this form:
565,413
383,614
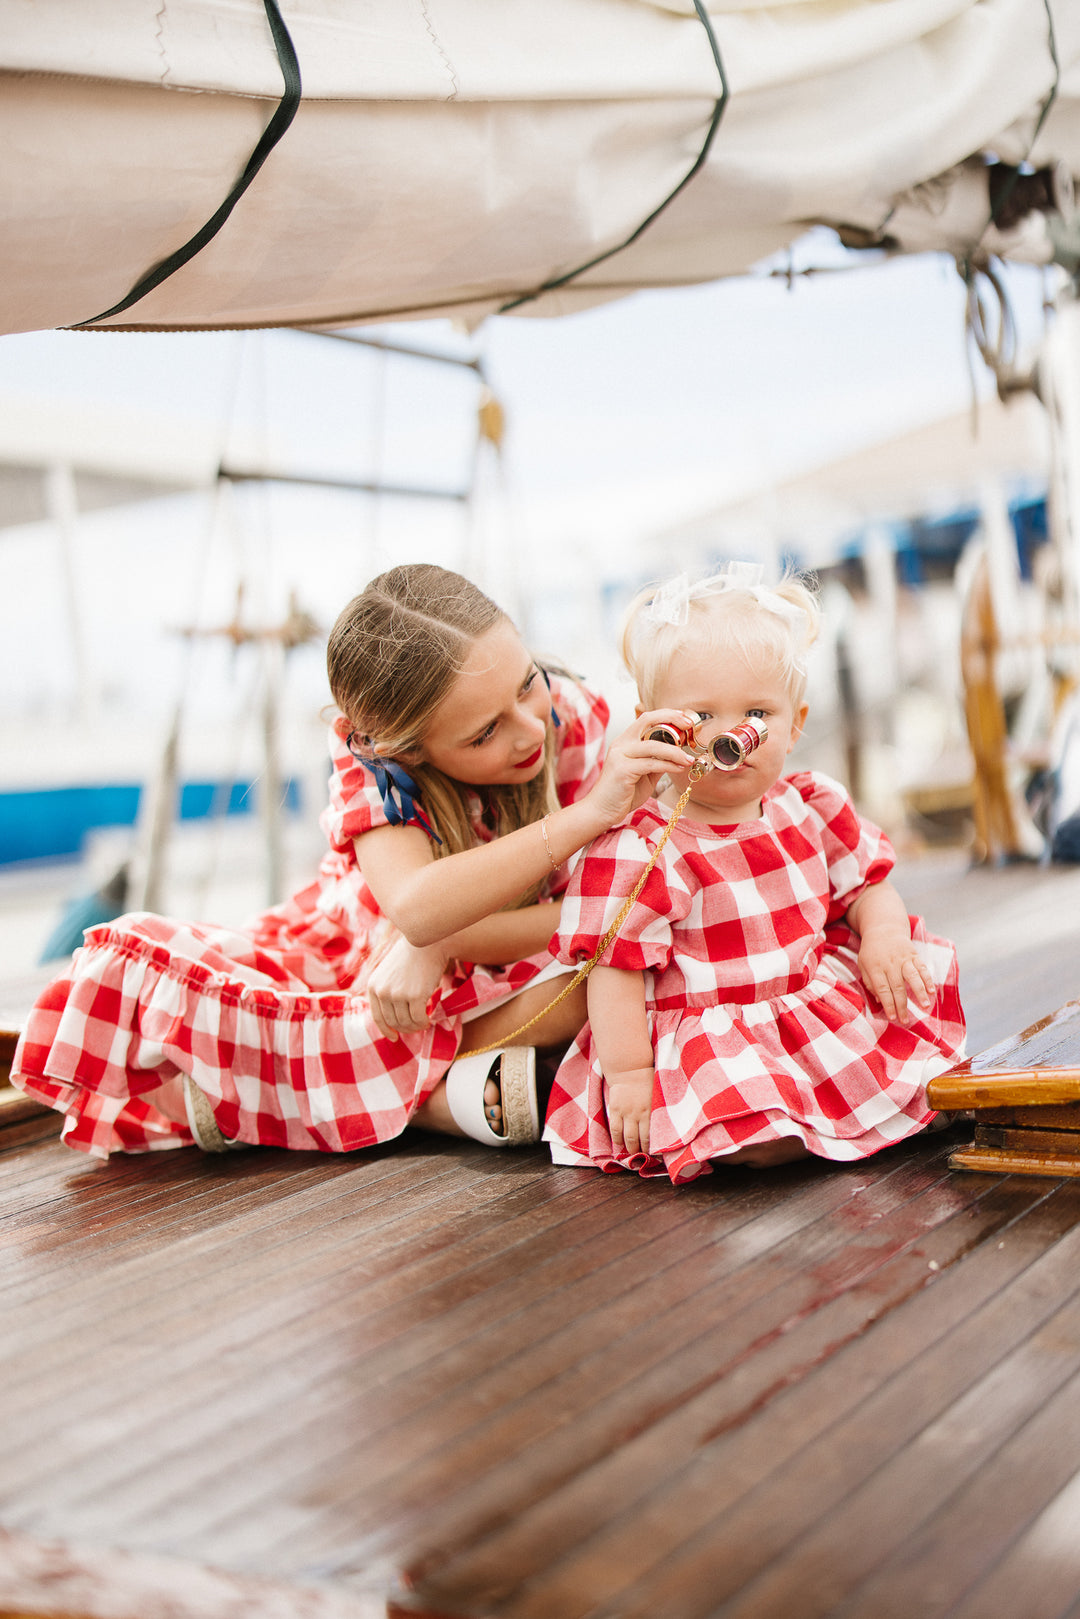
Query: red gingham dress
270,1020
759,1021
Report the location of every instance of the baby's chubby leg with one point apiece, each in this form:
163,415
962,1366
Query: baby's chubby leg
555,1028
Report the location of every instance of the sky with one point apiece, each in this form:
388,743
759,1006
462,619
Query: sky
621,421
637,408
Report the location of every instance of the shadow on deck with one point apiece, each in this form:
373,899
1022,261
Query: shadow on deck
436,1379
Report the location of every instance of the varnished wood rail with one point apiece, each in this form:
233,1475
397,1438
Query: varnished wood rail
1025,1094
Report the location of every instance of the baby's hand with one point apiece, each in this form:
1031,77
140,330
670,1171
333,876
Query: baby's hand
629,1103
892,970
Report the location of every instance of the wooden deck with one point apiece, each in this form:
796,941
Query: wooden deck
436,1379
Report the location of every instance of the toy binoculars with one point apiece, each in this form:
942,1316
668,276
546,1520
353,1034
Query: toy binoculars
725,752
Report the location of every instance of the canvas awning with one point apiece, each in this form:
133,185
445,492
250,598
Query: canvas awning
450,157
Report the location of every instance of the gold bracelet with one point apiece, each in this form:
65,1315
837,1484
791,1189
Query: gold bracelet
543,832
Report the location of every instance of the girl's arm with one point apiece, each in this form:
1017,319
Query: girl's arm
507,936
620,1031
889,963
428,899
404,980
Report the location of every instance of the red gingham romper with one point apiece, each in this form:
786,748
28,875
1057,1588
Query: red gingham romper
759,1021
271,1019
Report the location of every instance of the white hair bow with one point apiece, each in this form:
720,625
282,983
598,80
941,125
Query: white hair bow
671,603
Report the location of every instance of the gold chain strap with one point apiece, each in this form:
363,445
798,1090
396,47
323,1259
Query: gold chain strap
583,972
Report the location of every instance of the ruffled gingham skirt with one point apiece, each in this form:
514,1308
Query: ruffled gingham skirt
149,1000
823,1065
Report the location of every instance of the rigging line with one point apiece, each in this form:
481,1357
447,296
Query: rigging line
283,116
995,358
714,124
410,350
1010,185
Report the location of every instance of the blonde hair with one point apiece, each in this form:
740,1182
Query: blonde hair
773,627
393,655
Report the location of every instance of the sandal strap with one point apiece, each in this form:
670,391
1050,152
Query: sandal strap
201,1121
517,1083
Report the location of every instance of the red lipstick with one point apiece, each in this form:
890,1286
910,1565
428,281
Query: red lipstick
531,760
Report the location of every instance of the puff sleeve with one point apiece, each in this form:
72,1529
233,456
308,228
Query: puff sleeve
583,717
355,801
601,881
857,853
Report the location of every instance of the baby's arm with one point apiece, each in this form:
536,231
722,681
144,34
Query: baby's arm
621,1033
889,963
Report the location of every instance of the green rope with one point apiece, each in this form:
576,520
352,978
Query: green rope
275,129
714,124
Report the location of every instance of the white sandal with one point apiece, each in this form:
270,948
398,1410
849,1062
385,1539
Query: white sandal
514,1070
201,1121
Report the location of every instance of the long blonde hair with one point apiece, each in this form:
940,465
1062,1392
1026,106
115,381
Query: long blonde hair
393,655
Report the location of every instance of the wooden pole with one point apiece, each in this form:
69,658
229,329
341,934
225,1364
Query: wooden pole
996,831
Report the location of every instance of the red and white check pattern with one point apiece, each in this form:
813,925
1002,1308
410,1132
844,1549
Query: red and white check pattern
760,1024
270,1020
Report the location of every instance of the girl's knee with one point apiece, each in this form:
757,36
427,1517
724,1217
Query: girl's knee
504,1023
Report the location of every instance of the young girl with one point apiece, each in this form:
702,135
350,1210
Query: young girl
464,778
767,995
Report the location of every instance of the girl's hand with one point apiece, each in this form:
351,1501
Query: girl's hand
401,985
633,767
892,970
629,1104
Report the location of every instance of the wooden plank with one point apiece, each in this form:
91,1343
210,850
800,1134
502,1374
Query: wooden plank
1066,1117
1052,1041
120,1213
54,1580
1021,1087
1028,1137
1039,1575
227,1435
9,1039
613,1448
705,1501
840,1507
15,1107
977,1522
23,1122
233,1323
156,1271
1041,1065
462,1315
541,1343
606,1398
999,1161
520,1390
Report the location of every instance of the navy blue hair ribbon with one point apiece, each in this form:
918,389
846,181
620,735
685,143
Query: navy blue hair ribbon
555,720
397,789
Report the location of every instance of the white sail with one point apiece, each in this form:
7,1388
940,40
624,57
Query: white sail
452,156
